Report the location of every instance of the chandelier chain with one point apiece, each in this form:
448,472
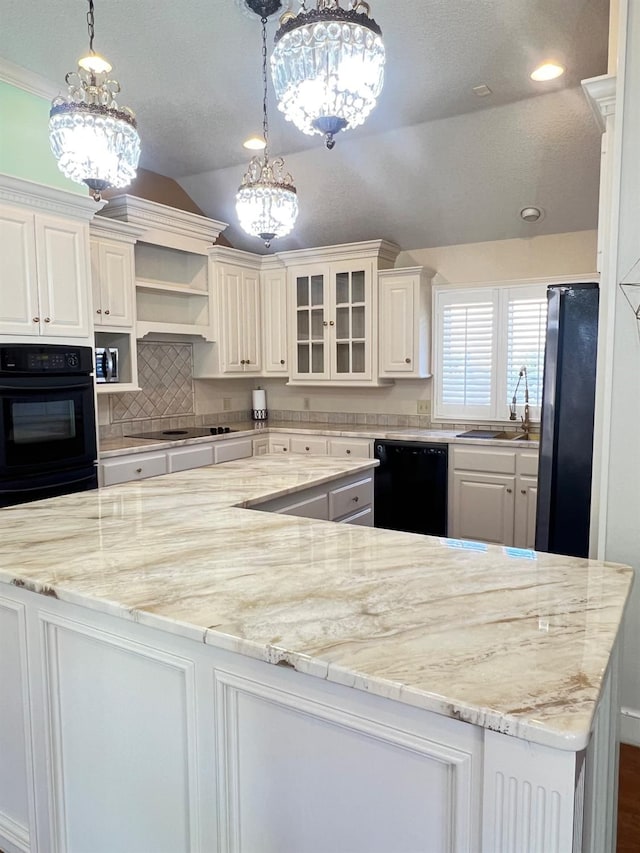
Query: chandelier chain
265,123
91,26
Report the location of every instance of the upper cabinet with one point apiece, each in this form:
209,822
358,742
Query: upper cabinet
333,312
275,332
173,289
44,277
405,322
235,289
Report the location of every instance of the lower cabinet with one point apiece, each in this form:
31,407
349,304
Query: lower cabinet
139,466
493,495
348,501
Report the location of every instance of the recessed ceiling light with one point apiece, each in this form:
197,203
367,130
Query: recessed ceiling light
255,143
547,71
532,214
482,90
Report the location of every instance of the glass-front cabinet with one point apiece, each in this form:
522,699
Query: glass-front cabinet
333,321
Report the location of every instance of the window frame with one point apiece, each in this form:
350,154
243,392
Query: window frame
499,293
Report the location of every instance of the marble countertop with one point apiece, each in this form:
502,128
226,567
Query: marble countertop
121,446
514,641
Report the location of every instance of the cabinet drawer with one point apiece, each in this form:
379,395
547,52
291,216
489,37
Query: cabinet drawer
346,499
136,468
260,446
278,445
358,449
184,458
528,464
363,517
317,507
311,446
227,451
484,459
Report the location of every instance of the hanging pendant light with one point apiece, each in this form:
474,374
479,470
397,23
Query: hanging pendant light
93,139
266,201
328,67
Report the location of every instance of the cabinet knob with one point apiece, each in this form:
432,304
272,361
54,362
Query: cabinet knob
282,361
284,449
523,491
98,310
138,470
407,361
107,311
331,323
47,319
36,319
356,499
247,361
242,361
324,323
348,452
509,491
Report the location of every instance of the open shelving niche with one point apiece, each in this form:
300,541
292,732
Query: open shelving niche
173,292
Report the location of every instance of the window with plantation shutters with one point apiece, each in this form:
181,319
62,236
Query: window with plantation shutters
483,336
526,331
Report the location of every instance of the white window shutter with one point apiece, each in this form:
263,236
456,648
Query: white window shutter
466,344
526,334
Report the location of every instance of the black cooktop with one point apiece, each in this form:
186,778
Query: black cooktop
178,434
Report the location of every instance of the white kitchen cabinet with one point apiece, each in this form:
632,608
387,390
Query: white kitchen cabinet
137,466
261,446
309,445
348,501
275,333
279,444
186,458
404,323
235,284
45,274
333,312
113,282
493,495
356,448
235,448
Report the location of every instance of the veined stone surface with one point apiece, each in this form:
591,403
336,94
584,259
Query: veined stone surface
511,640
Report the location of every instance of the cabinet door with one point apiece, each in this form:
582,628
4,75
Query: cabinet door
63,276
260,446
309,323
19,312
250,322
483,507
274,322
525,512
350,320
113,282
397,310
230,320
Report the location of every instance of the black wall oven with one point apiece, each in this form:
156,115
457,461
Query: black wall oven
47,422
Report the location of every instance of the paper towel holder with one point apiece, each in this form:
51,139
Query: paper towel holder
259,405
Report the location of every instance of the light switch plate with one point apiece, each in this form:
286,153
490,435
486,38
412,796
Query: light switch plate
423,407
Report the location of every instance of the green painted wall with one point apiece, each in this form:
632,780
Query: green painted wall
24,140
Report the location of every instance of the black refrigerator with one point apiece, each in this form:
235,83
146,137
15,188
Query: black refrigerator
568,403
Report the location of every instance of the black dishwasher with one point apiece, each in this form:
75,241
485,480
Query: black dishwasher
411,487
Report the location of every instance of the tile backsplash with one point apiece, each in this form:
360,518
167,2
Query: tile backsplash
165,375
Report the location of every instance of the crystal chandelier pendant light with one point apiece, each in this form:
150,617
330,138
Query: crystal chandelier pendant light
266,201
328,67
94,140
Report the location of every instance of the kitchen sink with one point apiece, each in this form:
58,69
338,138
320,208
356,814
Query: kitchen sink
525,436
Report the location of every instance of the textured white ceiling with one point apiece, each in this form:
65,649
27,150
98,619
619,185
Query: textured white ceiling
433,165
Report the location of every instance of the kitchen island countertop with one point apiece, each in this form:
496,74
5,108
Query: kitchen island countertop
510,640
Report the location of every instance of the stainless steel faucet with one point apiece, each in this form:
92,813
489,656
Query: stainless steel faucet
525,424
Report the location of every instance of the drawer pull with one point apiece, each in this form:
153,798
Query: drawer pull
348,452
138,470
306,448
356,499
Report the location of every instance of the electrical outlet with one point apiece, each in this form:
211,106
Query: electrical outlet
423,407
305,403
226,404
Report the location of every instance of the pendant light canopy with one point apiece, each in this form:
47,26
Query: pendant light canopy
266,201
328,67
93,139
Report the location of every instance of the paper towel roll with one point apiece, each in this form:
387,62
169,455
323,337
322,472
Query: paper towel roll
258,405
259,399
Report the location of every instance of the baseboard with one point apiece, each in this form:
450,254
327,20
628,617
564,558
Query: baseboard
630,726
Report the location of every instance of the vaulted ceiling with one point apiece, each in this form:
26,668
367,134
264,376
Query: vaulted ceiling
434,164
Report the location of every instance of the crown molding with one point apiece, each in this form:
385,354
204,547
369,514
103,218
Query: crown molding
384,251
27,80
41,197
601,95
